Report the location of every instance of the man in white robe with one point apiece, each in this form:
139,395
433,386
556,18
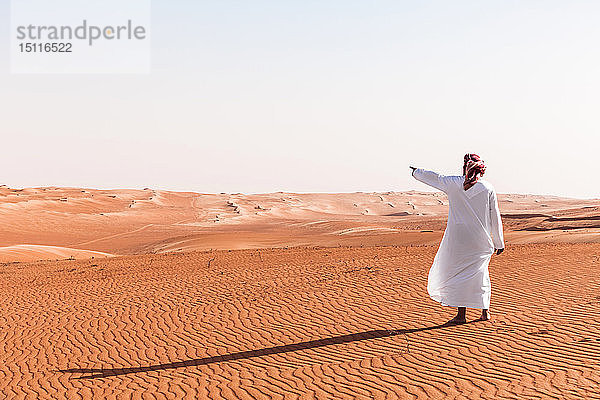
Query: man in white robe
459,276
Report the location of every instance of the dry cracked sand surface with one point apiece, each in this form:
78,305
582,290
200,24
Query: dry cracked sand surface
336,307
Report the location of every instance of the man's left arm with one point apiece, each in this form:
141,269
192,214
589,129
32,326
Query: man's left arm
496,220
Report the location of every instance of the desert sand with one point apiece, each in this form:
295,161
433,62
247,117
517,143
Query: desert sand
126,222
157,294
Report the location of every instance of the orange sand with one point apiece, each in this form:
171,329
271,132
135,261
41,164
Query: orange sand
124,222
286,322
298,323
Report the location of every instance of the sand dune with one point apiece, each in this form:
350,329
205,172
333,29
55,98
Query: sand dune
325,297
327,323
25,252
152,221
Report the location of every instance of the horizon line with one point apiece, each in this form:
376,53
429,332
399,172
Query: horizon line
287,192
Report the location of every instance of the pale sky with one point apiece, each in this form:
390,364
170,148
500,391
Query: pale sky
322,96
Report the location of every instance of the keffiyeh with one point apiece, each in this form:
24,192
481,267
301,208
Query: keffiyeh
473,169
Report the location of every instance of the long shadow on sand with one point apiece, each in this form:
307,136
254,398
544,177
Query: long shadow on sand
243,355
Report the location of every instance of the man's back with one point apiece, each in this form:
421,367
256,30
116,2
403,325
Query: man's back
473,211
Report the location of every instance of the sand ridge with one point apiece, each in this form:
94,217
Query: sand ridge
31,252
153,221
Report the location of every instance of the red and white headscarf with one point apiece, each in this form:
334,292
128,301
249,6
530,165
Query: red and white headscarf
473,169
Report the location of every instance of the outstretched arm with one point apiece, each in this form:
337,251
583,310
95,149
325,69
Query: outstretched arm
431,178
497,234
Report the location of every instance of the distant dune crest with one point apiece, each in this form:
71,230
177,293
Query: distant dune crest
52,222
